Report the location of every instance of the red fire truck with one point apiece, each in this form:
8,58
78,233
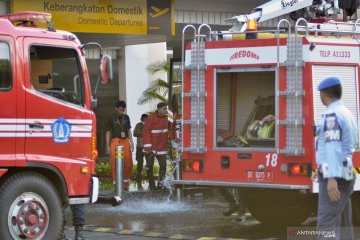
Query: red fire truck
249,103
47,126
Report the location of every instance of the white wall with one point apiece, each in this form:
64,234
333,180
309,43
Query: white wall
137,58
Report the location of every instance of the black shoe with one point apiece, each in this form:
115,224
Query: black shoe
62,235
240,218
160,187
230,210
79,233
139,185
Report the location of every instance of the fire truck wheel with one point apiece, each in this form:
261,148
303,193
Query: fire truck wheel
281,208
356,208
30,207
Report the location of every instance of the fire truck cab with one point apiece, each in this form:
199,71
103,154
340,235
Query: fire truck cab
47,126
249,106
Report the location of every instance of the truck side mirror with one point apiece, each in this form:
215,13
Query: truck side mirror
106,69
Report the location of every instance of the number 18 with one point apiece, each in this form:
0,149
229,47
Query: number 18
271,158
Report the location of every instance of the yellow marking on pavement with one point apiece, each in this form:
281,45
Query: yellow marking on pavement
101,229
178,236
152,234
126,232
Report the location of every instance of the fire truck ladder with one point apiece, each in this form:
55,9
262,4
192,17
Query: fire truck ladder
294,93
330,28
197,93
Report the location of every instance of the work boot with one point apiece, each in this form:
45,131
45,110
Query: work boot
240,218
79,233
230,210
152,186
151,183
62,235
160,186
139,184
150,177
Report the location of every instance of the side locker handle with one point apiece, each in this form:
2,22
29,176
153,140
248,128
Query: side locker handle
36,126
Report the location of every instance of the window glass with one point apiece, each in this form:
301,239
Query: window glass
5,67
56,72
245,109
176,103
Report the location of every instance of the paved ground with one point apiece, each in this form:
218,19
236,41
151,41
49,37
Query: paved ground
154,215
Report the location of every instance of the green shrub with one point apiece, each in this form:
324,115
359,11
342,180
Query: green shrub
134,170
106,184
103,169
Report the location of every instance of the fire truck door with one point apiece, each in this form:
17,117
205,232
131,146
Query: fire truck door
58,123
11,114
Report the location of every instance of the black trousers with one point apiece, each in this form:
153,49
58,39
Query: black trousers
78,215
150,158
234,197
140,162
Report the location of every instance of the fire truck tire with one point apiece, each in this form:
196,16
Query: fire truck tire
283,211
30,208
356,208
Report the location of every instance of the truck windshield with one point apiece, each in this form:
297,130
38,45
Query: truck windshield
56,72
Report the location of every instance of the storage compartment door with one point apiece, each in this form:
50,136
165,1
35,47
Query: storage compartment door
349,79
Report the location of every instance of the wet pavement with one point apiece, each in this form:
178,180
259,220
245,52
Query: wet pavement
154,215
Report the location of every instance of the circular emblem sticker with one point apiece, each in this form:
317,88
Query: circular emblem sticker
61,130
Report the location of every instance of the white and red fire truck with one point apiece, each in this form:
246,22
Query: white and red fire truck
249,106
47,126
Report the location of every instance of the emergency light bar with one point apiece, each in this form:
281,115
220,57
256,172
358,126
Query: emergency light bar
28,16
252,25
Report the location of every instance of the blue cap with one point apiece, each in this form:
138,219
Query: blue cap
329,82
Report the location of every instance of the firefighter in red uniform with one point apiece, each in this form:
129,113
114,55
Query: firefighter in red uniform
118,130
156,144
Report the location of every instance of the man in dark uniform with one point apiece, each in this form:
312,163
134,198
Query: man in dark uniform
118,130
138,133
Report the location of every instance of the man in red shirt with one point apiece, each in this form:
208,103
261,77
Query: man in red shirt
156,135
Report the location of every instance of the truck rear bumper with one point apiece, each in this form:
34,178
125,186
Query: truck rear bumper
239,184
94,193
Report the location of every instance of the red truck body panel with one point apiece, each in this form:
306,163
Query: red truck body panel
252,56
22,105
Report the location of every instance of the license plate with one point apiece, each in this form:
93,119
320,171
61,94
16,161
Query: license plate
260,176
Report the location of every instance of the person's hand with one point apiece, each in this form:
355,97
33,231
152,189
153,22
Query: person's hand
315,176
332,189
149,153
107,150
